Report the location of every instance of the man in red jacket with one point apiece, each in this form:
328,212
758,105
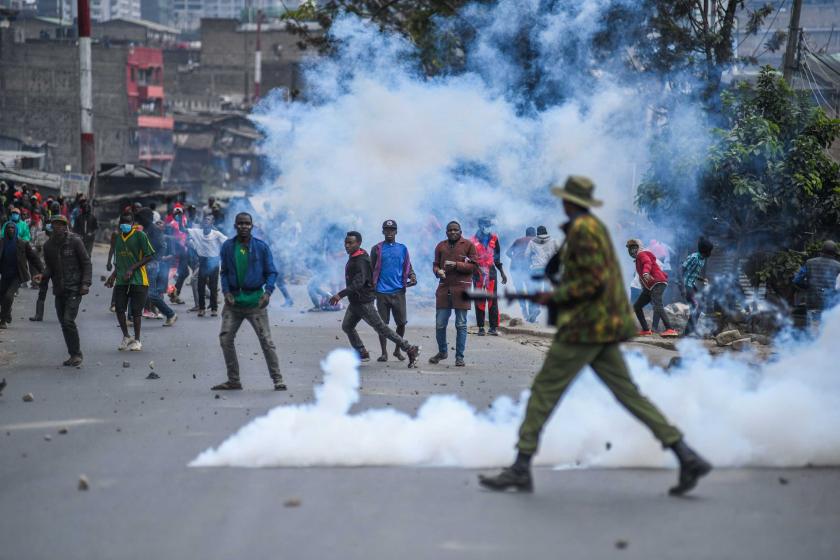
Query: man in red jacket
654,281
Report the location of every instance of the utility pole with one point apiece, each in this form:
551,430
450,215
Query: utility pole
86,94
792,41
258,59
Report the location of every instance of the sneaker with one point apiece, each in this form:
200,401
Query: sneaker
279,385
227,386
493,332
74,361
200,313
364,355
113,309
36,318
645,333
192,309
508,479
382,358
214,313
670,333
126,341
438,357
481,331
135,345
3,325
398,355
288,303
459,362
171,320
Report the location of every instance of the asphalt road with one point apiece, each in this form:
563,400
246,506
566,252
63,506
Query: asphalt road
132,438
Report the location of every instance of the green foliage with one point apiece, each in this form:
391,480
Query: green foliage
767,174
776,270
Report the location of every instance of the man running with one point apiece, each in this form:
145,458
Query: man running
654,281
488,260
360,292
248,279
593,317
130,280
392,274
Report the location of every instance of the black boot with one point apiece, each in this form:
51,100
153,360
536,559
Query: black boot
516,476
692,468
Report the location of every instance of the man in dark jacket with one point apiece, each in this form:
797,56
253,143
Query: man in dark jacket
86,225
16,257
248,279
68,266
359,291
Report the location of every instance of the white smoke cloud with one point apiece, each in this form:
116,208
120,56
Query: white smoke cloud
784,414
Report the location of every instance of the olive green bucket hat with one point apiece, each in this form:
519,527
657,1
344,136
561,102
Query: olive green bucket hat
578,190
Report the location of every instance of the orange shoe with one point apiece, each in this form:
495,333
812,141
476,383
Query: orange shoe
670,333
645,333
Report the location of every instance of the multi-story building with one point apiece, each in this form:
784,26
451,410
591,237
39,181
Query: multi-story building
104,10
144,86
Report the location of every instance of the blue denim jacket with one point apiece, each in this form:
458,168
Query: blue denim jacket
261,272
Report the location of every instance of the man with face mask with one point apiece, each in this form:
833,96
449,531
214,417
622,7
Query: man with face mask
16,258
68,266
488,260
654,281
86,225
23,233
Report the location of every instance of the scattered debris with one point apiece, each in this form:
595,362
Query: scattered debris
126,364
675,362
741,344
62,431
84,484
292,502
47,437
2,385
783,481
152,364
28,397
193,376
762,339
727,337
515,322
621,544
153,375
608,445
217,396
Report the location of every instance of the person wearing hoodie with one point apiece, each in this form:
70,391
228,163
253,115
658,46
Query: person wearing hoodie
23,233
539,252
654,281
358,274
15,255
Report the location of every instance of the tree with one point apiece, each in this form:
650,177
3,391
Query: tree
765,176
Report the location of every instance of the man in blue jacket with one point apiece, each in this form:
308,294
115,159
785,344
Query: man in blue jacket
248,279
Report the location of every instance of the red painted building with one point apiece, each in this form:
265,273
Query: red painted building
144,86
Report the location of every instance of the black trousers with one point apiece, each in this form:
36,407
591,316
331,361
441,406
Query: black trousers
654,295
66,308
8,291
208,275
366,312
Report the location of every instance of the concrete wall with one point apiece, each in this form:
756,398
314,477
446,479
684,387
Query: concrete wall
39,84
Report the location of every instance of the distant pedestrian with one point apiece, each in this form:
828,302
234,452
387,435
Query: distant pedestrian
692,270
454,266
488,261
16,258
592,318
818,278
358,275
43,287
392,274
16,216
248,278
654,281
86,225
519,273
158,268
207,244
539,252
67,265
130,279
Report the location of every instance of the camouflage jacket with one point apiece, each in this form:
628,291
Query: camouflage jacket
592,305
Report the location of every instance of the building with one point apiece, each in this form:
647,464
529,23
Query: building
135,31
104,10
158,11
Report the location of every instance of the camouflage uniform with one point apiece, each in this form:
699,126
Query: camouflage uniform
593,316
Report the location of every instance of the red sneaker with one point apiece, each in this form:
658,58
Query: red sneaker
670,333
645,333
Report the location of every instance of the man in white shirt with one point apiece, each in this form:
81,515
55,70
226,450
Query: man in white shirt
207,244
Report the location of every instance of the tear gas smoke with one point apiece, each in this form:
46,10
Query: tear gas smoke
377,139
784,414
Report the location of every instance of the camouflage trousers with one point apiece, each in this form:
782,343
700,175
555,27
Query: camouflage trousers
562,364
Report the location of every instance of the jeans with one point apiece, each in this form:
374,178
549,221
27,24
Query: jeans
208,275
232,317
367,312
442,320
521,282
158,274
66,308
654,295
